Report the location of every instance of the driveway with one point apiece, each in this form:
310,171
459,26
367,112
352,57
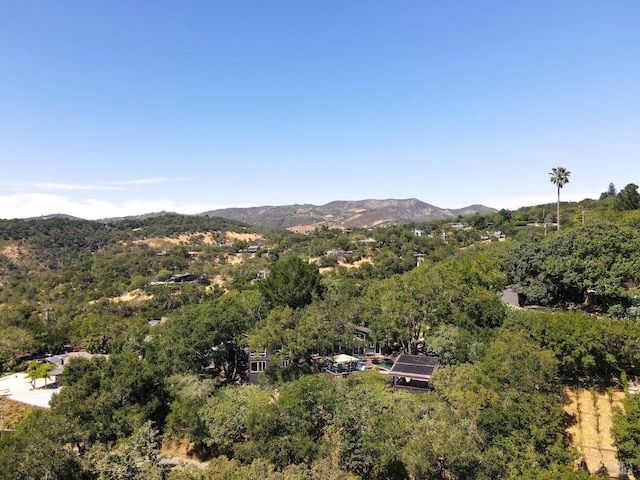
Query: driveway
17,387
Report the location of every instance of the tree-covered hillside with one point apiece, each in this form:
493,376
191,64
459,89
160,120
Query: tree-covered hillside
222,289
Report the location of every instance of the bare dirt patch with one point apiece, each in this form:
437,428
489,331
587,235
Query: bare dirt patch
592,410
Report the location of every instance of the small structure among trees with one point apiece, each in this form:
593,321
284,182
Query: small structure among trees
413,372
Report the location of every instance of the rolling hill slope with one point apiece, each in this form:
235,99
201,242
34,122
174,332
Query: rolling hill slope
362,213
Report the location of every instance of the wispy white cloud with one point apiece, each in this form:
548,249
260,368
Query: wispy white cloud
26,205
56,187
70,186
144,181
117,185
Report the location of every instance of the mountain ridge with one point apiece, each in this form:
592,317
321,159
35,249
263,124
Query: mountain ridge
366,213
346,213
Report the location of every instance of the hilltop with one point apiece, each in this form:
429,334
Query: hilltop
353,214
368,213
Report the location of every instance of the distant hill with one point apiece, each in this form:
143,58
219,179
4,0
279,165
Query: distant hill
361,213
53,216
139,217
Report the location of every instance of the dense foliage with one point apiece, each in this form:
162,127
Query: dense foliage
577,265
496,407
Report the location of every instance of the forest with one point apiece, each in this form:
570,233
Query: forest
179,385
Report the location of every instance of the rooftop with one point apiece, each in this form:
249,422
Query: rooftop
415,367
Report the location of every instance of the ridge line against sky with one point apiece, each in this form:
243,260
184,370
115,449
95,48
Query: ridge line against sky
121,108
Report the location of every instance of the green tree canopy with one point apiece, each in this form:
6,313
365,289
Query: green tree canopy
209,334
600,258
626,432
628,198
291,282
14,341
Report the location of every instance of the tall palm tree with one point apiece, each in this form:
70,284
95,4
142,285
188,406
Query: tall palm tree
559,176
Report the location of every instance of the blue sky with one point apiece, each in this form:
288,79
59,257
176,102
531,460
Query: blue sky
112,108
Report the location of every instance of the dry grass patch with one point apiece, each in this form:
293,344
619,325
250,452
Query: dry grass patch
592,411
304,228
358,264
14,252
343,263
137,295
133,296
234,259
12,412
198,238
182,452
216,280
245,237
